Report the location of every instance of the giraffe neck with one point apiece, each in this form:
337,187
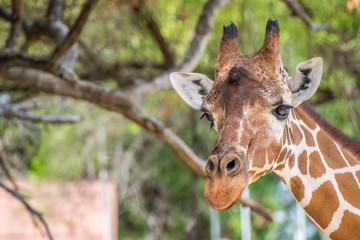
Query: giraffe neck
323,176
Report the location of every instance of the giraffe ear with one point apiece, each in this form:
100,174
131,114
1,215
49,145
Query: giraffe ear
192,87
306,80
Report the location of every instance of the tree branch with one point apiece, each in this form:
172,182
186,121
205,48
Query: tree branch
141,11
10,57
5,168
43,119
16,23
19,111
297,10
194,53
254,206
102,72
72,36
34,213
54,10
98,70
7,16
5,13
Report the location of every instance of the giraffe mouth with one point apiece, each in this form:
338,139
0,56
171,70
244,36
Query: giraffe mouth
223,192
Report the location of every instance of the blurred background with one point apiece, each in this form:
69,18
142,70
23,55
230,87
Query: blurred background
125,44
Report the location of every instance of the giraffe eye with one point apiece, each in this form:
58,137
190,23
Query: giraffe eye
209,118
282,111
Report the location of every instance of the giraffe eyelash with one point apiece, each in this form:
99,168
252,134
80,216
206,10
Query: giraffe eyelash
209,118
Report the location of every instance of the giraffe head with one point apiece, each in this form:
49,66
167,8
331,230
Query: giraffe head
248,104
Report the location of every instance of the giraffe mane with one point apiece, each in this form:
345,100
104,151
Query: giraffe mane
340,138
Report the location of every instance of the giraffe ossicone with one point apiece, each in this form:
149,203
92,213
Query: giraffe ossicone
264,125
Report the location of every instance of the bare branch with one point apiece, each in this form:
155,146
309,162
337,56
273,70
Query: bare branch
7,15
26,106
54,10
297,10
98,70
18,111
10,57
34,213
142,12
103,72
72,36
46,119
194,53
5,168
254,206
16,23
56,31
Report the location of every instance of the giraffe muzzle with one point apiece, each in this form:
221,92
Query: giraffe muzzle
226,180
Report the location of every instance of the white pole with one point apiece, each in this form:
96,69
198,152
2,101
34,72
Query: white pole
104,176
214,224
245,217
300,229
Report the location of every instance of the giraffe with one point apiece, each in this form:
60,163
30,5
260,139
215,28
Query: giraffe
264,125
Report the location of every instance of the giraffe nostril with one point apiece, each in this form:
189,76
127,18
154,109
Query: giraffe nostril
211,166
231,165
